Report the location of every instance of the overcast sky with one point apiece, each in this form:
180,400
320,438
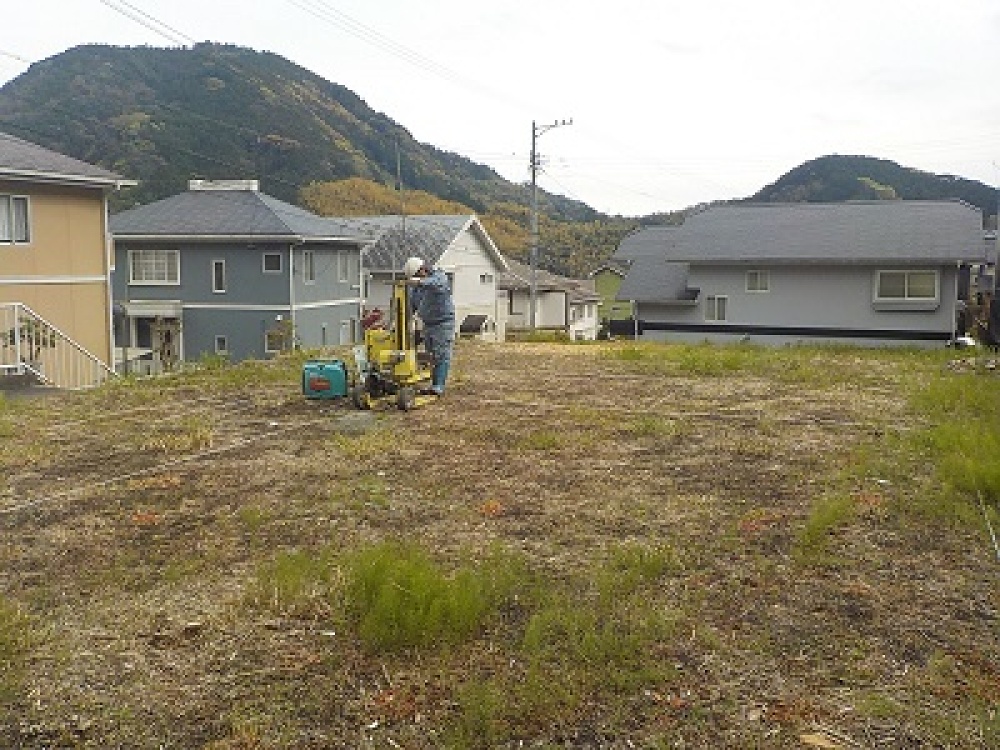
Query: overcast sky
673,103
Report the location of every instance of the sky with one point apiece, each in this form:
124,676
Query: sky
670,103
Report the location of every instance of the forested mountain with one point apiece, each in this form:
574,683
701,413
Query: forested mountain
163,116
832,179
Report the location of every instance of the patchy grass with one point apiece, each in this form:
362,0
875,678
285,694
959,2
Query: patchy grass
635,545
17,636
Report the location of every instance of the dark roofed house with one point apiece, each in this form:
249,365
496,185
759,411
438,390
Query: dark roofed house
225,269
869,272
561,303
54,265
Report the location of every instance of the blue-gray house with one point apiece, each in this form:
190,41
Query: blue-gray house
877,272
225,269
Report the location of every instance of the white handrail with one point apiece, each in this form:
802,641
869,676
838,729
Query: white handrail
30,345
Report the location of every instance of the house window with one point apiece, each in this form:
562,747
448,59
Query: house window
308,267
907,285
343,266
485,278
221,345
153,266
272,262
715,308
758,281
15,224
218,276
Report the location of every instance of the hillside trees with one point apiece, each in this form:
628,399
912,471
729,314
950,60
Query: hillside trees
566,247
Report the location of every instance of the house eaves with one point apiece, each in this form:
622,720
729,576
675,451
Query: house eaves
22,161
51,178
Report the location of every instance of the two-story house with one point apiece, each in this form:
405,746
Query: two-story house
224,269
55,264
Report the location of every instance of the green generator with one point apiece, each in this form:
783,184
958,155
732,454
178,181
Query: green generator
324,378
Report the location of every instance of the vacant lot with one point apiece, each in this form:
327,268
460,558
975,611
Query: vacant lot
608,546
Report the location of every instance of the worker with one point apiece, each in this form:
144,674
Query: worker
430,299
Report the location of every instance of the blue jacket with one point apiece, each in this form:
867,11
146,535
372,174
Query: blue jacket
431,299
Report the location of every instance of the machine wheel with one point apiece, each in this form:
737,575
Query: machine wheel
406,399
361,398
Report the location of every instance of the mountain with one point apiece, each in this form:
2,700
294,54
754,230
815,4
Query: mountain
213,111
164,116
843,178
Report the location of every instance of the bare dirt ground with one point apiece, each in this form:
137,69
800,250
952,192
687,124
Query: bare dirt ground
135,519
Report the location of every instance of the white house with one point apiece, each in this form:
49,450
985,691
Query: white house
561,303
459,245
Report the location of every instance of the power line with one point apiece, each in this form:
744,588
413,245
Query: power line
12,56
153,24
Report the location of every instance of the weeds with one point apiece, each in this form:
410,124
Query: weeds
16,638
296,584
396,597
539,440
812,543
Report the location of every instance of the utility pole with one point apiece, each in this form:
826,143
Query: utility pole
536,132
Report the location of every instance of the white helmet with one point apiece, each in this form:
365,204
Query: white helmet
412,265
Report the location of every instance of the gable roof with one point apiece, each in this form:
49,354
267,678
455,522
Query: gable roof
426,236
518,278
905,232
230,214
24,161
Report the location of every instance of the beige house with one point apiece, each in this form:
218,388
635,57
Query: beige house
55,257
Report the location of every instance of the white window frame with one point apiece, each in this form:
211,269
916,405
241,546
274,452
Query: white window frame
267,342
217,263
485,278
221,344
907,296
713,303
263,263
171,257
9,224
308,267
758,281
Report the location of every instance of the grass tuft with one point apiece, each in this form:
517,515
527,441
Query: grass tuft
812,543
396,597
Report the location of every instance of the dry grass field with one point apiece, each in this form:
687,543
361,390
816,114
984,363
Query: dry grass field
580,546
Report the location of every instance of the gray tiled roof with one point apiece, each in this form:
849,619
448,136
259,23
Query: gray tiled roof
853,232
650,241
425,236
230,213
400,237
656,280
518,277
20,159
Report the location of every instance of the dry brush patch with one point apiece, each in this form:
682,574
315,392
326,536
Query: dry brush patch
712,547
